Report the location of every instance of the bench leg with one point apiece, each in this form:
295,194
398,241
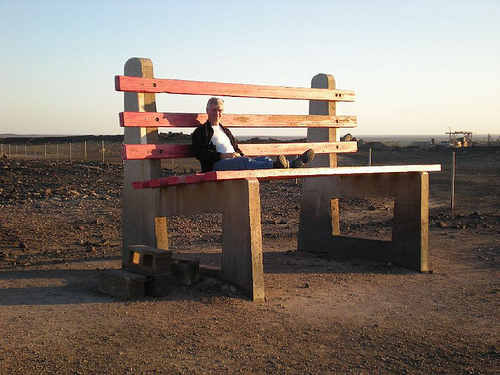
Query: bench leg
242,262
410,232
318,218
409,245
138,217
239,202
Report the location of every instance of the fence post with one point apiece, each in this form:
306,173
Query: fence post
1,149
453,164
45,150
102,150
26,151
70,151
8,152
85,149
370,158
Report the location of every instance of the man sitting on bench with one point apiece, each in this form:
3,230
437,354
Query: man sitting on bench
216,149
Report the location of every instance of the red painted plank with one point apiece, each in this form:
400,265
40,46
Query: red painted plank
251,149
176,86
191,120
158,119
156,151
272,174
175,151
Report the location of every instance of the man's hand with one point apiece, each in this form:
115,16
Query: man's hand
230,155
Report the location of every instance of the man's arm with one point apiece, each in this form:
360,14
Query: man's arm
201,148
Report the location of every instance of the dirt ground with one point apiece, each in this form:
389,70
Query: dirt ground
60,228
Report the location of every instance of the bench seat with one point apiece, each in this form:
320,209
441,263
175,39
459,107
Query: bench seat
276,174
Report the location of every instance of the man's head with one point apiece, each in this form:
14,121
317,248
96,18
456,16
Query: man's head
215,108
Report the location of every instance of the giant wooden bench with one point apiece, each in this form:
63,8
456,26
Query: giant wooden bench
150,198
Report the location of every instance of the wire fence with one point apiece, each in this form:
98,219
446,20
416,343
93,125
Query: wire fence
469,177
466,172
100,151
81,151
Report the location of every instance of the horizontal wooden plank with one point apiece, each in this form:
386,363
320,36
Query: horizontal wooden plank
271,174
263,149
177,86
191,120
173,151
156,151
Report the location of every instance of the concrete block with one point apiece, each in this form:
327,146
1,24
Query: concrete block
148,260
210,271
185,271
122,284
158,285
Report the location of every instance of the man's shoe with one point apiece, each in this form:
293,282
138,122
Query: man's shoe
303,159
281,162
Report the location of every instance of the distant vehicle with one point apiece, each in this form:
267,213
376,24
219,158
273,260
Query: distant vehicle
460,138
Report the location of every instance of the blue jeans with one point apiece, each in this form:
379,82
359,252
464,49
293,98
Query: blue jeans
244,163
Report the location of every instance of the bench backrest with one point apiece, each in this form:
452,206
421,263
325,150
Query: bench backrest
141,210
148,119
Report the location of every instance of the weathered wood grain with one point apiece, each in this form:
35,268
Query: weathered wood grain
175,151
176,86
191,120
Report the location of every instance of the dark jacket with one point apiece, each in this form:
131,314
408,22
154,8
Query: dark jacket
204,150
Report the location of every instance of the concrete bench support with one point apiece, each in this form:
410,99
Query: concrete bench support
139,207
239,203
409,245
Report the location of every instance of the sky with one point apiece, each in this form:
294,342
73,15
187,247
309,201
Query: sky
417,67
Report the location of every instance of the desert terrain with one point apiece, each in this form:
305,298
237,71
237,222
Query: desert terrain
60,224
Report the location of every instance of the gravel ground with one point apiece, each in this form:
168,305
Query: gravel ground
60,228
